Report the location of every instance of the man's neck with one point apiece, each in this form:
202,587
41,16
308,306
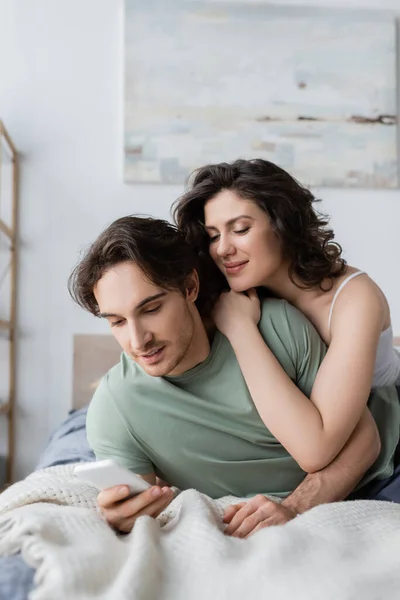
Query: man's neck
200,346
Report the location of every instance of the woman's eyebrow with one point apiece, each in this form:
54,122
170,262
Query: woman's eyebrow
231,221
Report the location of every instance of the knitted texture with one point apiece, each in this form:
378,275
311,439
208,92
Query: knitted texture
342,551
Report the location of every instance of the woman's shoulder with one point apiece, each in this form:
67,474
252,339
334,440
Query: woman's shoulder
356,291
355,275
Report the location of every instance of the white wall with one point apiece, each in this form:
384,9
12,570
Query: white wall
61,99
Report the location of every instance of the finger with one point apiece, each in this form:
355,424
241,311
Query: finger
278,518
231,511
239,517
107,498
114,504
249,507
141,501
269,508
156,507
252,294
152,510
278,513
261,525
129,510
248,525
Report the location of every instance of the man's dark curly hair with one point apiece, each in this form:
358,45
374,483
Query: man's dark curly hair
155,245
306,241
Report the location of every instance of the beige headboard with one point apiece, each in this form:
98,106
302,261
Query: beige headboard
94,355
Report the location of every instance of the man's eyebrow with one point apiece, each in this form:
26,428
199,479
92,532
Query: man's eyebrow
150,299
140,305
231,221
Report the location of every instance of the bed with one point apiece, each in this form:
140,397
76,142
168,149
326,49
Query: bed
342,551
67,444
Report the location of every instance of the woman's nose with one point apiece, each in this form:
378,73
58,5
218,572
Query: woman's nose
225,246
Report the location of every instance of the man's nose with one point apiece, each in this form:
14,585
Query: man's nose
139,338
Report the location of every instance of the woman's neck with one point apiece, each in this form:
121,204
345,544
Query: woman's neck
282,286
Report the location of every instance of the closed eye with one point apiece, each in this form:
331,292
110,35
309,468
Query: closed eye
152,310
213,238
117,323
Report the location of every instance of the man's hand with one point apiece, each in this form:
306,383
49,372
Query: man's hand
121,513
249,517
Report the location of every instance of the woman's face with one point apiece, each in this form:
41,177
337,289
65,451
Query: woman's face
243,243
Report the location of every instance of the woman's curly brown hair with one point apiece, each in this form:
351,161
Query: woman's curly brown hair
306,240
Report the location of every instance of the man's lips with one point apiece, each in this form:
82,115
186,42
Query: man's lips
152,356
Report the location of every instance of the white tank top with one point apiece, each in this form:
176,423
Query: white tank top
387,363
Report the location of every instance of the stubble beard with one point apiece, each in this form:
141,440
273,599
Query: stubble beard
182,345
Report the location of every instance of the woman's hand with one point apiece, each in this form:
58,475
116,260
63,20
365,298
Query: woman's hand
234,310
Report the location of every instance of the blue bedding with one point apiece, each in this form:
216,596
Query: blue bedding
67,444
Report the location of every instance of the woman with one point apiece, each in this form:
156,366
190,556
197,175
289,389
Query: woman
259,226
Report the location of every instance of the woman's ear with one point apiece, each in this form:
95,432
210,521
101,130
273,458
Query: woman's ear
192,286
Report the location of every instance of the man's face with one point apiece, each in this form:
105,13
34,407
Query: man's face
154,326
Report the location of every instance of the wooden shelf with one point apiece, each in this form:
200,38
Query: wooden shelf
7,326
6,230
3,131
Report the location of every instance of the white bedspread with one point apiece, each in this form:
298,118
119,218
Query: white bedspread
339,551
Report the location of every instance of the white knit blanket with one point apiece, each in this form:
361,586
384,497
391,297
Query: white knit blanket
343,551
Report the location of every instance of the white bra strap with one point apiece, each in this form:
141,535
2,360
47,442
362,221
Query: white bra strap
341,286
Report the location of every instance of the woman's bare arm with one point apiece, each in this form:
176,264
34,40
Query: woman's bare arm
312,432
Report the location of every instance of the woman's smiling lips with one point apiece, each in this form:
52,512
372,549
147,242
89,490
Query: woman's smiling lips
235,267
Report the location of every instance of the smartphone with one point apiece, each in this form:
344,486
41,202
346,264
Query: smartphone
105,474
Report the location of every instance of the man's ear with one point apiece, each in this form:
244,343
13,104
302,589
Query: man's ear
192,287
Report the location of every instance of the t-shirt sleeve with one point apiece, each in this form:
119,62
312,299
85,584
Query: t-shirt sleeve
294,341
109,436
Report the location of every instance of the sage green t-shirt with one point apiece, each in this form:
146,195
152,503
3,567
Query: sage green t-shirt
201,429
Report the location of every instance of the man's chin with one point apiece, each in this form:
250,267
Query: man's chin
158,370
166,365
154,370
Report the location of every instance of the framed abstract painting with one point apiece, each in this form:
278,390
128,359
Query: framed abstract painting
313,90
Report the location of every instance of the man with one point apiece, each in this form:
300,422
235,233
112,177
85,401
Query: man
177,406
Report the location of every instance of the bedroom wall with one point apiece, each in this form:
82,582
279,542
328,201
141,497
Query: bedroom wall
61,99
